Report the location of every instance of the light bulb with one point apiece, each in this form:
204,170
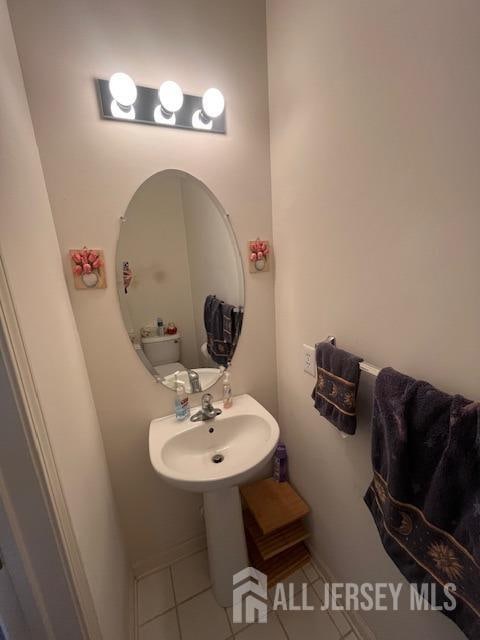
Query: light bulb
123,89
160,117
213,103
125,113
171,96
199,123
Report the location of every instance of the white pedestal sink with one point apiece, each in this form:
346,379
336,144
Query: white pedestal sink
213,458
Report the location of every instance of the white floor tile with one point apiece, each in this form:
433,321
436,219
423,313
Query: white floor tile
236,626
311,572
271,630
190,576
320,587
163,628
155,595
201,618
303,625
239,626
298,579
338,617
340,622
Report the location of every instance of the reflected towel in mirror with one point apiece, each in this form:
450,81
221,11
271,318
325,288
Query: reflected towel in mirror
223,323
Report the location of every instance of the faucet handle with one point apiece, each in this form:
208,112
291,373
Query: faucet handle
207,400
208,411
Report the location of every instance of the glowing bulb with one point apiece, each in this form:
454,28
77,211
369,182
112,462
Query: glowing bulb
171,96
199,123
126,113
123,89
161,118
213,103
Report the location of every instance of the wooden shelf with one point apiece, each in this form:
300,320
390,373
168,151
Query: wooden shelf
274,505
274,529
270,544
282,565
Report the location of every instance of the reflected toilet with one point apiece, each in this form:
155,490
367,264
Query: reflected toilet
163,352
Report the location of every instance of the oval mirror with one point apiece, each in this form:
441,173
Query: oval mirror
180,281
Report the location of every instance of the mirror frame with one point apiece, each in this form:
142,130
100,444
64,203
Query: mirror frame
226,219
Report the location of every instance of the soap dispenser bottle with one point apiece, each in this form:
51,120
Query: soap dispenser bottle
280,463
227,391
182,405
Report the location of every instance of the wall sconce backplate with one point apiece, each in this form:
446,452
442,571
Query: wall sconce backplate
145,104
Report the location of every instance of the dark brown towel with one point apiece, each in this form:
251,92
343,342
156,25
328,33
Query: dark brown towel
425,493
335,393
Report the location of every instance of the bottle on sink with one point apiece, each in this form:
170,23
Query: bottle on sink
182,405
227,391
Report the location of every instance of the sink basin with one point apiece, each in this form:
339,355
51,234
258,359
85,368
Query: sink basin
207,376
193,457
213,458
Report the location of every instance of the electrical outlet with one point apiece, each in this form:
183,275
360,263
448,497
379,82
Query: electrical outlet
309,363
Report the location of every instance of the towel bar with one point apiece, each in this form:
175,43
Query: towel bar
364,366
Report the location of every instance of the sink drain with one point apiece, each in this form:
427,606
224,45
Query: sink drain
217,458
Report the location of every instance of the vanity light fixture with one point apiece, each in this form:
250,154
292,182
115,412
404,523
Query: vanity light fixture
170,95
124,93
213,105
166,106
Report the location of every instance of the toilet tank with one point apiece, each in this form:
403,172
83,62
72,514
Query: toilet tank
162,349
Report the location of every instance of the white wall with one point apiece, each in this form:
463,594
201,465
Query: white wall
29,248
93,167
215,267
375,148
153,240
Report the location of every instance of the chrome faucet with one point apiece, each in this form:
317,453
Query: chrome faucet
208,411
194,381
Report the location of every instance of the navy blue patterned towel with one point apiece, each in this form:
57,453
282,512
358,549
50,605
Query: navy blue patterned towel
425,493
335,394
223,324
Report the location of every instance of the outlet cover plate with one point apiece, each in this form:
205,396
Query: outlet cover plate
309,363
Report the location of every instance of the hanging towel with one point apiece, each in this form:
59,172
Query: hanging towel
335,393
232,325
223,323
228,321
425,493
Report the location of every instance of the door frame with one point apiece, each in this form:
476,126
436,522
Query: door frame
14,622
33,443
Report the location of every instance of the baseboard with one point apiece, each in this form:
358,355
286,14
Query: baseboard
356,621
169,556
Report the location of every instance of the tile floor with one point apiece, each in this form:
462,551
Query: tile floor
177,603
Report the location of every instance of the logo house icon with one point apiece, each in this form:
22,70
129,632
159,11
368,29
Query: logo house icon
250,595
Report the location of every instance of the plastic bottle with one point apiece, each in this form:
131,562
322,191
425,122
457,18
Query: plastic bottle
227,391
182,405
280,463
160,327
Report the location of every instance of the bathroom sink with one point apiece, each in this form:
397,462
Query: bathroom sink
214,457
208,376
224,452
